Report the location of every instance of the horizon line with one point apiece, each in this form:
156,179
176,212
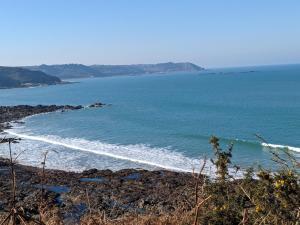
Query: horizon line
132,64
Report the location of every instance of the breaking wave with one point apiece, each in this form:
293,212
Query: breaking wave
275,146
139,153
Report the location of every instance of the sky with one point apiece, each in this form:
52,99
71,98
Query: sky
210,33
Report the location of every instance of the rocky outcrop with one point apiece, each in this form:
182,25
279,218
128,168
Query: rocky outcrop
13,113
96,105
128,191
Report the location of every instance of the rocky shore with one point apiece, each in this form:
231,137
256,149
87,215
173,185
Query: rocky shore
115,194
14,113
71,196
136,196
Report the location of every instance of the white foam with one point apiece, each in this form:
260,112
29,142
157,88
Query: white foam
140,153
291,148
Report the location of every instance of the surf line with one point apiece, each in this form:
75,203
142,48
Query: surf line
42,139
295,149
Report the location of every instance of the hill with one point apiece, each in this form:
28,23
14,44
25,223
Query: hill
66,70
81,71
11,77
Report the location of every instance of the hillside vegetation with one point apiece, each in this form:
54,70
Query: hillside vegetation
11,77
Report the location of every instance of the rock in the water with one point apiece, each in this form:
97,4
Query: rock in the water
96,105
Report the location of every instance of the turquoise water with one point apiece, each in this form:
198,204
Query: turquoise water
163,120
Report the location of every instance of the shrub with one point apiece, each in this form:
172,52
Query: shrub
270,198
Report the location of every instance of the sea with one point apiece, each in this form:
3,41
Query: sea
162,121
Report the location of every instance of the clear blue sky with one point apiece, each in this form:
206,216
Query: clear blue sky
211,33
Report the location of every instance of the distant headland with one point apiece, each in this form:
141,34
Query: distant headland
65,71
15,77
30,76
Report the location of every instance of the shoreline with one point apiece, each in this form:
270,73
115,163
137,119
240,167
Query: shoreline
10,114
125,196
15,114
116,193
63,82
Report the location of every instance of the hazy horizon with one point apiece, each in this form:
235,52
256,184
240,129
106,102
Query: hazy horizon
210,34
216,67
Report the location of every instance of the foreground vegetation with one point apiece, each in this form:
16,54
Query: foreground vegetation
260,197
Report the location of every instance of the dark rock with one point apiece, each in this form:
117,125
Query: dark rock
89,172
127,191
15,113
96,105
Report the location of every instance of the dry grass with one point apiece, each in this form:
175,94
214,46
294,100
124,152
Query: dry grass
176,218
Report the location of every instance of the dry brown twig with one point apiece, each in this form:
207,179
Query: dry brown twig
197,180
197,206
16,213
42,205
90,208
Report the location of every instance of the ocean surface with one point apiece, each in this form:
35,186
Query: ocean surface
162,120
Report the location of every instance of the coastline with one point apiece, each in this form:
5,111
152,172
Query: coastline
137,196
119,193
10,114
63,82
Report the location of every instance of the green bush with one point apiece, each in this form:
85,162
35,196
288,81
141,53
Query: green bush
261,197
